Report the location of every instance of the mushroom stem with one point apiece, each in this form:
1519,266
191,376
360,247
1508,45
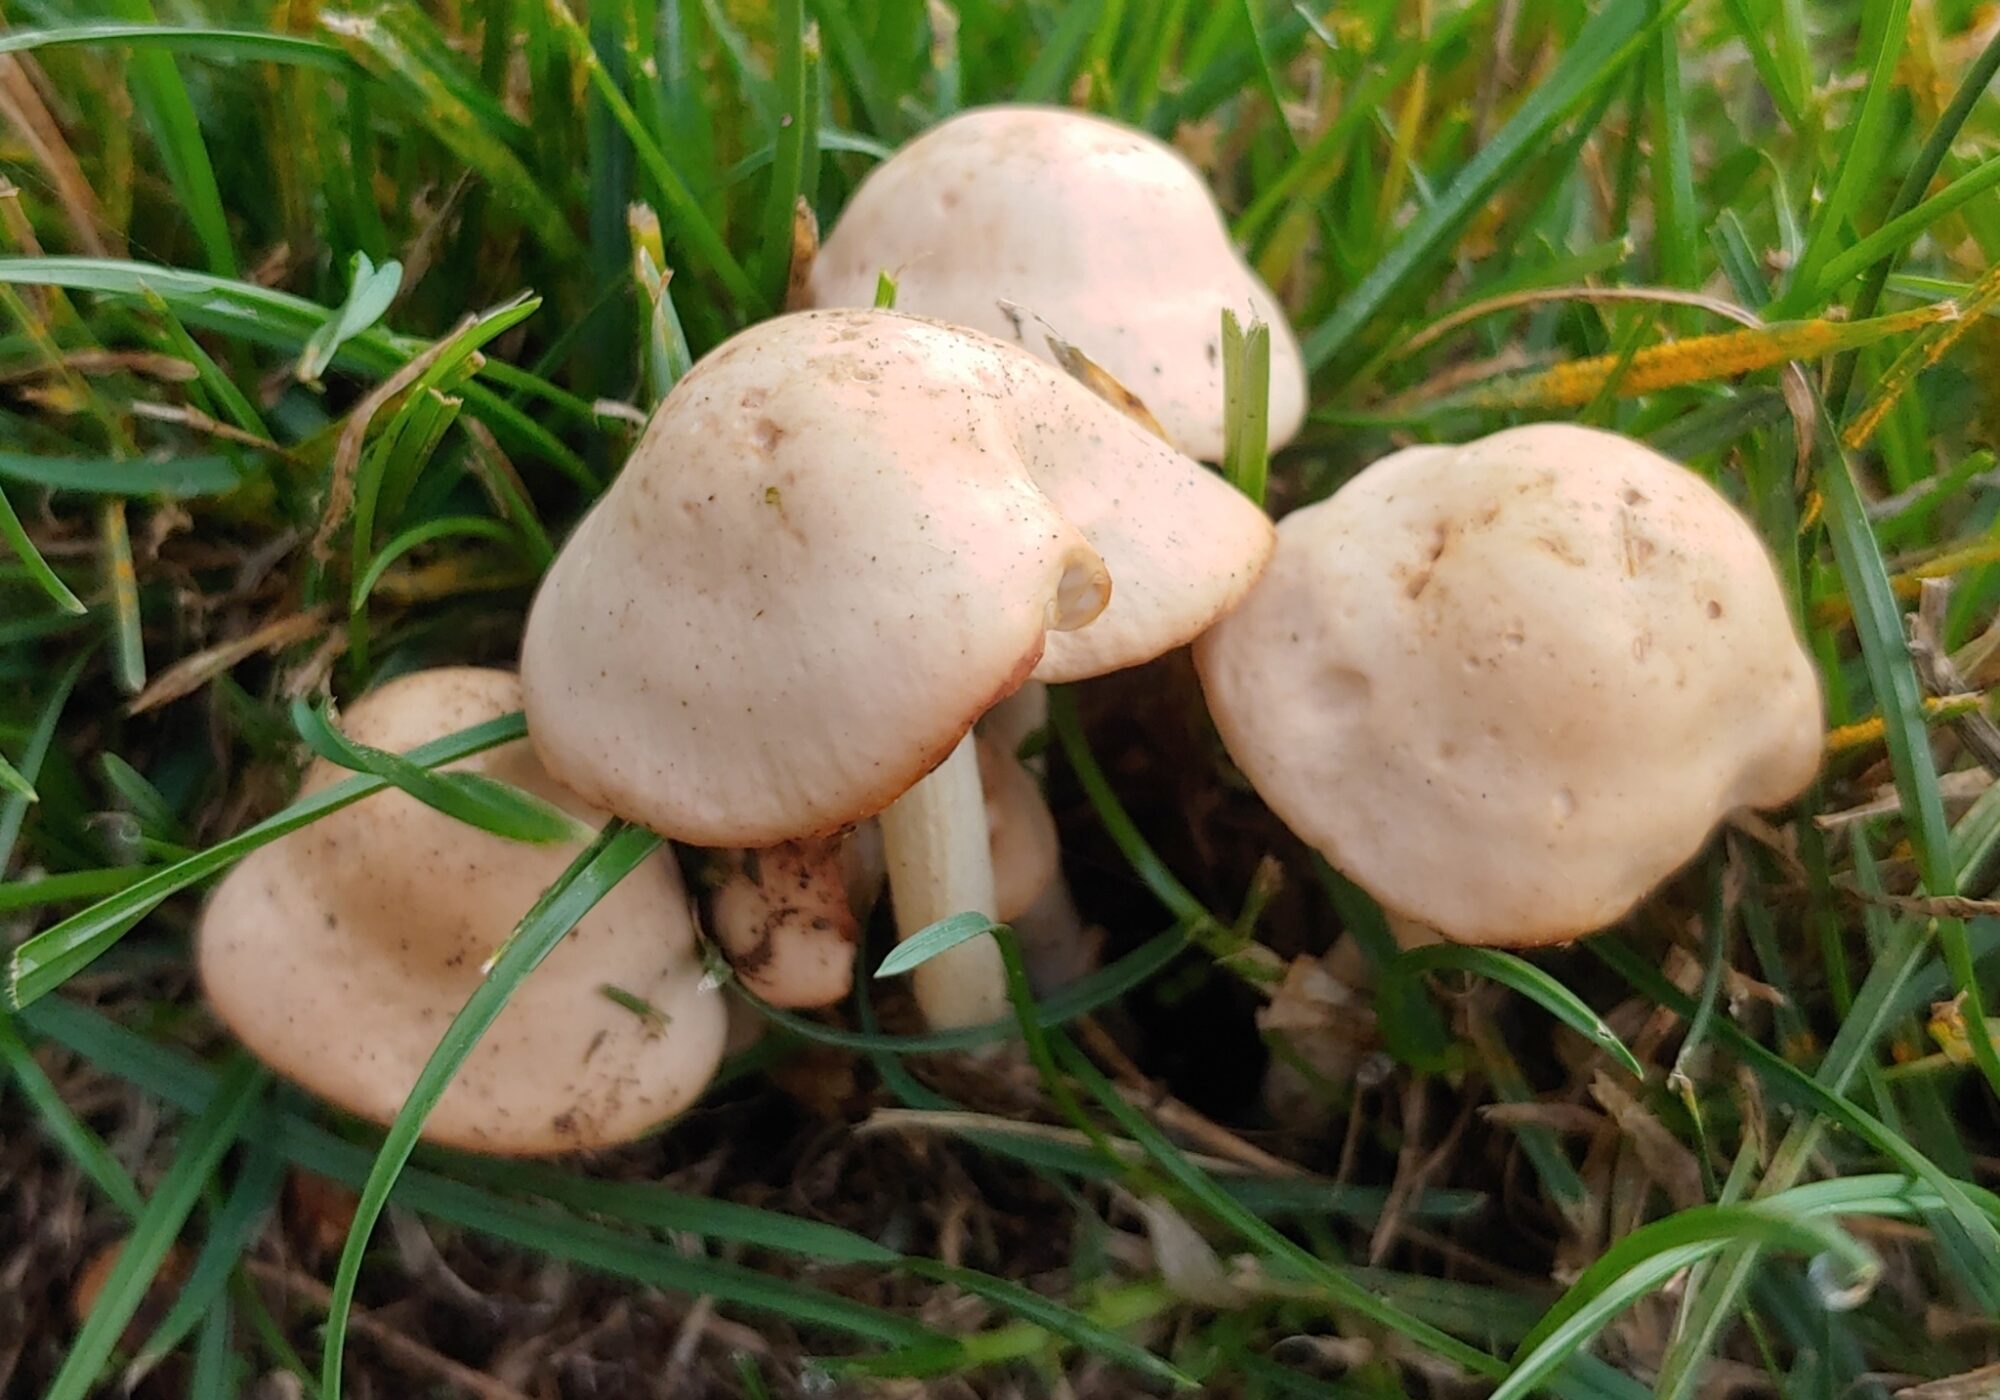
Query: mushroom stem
935,840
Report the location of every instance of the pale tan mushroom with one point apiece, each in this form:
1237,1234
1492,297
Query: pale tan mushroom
340,953
841,539
1106,234
789,916
1510,687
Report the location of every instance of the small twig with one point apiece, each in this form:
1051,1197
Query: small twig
1927,906
191,673
1941,677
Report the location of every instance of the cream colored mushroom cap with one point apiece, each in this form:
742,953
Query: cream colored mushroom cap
340,953
1106,233
842,537
1510,687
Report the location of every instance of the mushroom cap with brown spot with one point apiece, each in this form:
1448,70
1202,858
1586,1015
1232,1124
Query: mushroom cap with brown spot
1107,234
340,953
1510,687
841,538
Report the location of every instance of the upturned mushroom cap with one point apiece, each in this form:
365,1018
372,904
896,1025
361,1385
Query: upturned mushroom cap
1509,687
1107,234
339,954
842,537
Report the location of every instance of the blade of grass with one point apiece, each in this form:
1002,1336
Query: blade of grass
231,1232
163,102
796,132
1867,138
473,798
617,851
128,645
39,572
1601,51
175,478
1339,1289
1246,405
203,41
407,60
63,1129
140,1257
1527,979
51,957
671,193
14,806
269,317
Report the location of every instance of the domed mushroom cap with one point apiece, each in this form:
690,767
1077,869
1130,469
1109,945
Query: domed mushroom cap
1106,233
1509,687
841,538
340,953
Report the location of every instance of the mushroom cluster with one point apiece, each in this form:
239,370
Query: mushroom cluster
1507,687
1510,687
843,538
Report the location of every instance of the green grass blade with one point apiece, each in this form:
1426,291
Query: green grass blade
231,1233
1339,1289
370,290
12,782
618,850
205,42
1859,160
927,943
796,132
1527,979
1602,50
1898,233
51,957
62,1128
1246,405
691,224
39,572
473,798
398,49
268,317
162,100
128,643
177,478
201,1148
13,805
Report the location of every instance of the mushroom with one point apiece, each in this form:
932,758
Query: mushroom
340,953
841,539
1510,687
789,916
1106,234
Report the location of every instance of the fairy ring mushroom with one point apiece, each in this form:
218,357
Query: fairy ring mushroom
1510,687
841,539
340,953
1104,233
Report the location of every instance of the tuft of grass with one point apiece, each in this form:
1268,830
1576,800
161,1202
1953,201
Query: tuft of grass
319,328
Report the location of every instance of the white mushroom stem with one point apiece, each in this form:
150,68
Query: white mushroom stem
940,864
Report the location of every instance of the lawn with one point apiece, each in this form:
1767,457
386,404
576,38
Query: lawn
321,328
